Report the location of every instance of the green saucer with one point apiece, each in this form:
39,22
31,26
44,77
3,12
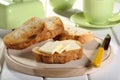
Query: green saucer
79,19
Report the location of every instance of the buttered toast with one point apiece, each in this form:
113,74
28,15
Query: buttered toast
58,51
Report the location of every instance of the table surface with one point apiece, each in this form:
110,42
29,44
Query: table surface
110,72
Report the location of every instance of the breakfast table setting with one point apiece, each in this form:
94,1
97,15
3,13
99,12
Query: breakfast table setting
101,17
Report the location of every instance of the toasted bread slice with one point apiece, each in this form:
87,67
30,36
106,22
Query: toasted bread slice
33,31
60,58
26,35
54,27
79,34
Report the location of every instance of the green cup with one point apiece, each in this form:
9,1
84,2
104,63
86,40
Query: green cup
117,0
62,4
98,11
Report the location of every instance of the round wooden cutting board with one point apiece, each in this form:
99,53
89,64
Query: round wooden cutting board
23,61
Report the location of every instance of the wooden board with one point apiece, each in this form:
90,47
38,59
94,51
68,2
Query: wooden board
23,61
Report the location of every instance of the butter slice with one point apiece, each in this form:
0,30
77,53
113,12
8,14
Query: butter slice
73,46
68,45
65,43
50,47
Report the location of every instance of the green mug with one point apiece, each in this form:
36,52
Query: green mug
98,11
117,0
62,4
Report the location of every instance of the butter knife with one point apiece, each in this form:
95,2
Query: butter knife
100,52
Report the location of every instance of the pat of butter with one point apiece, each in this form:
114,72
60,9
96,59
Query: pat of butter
50,47
73,46
66,44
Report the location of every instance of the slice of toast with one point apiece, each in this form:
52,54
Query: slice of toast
61,58
33,31
79,34
54,27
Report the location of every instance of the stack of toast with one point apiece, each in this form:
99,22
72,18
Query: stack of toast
67,44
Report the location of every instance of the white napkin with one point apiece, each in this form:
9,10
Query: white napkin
2,47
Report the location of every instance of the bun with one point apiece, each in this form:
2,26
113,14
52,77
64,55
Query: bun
33,31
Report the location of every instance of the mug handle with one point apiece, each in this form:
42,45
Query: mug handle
115,17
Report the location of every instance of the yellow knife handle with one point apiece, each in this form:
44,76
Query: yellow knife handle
98,58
